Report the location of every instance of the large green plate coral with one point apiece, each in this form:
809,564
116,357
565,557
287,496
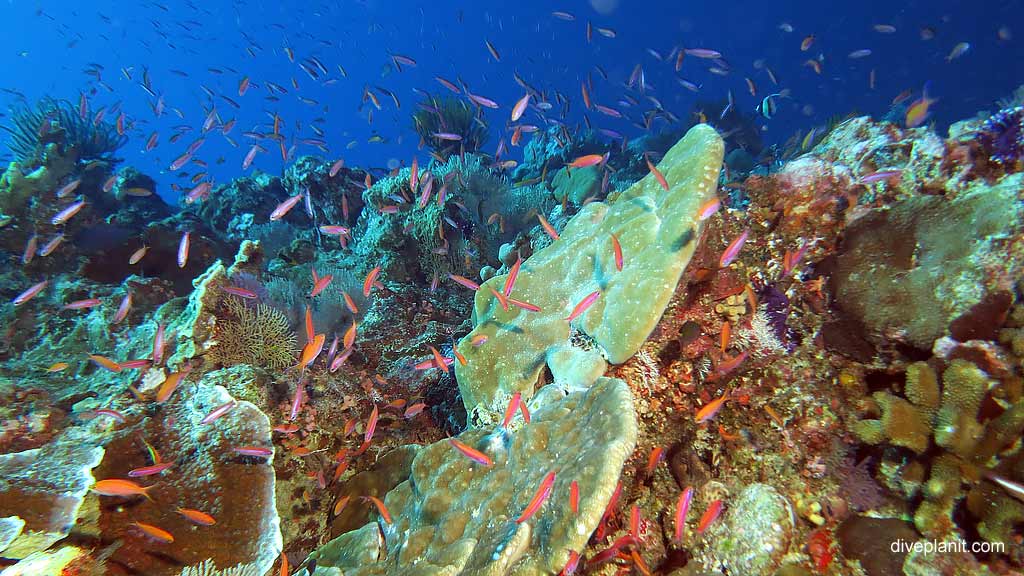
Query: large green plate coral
658,231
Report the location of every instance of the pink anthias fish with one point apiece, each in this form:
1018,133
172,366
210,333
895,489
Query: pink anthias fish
733,249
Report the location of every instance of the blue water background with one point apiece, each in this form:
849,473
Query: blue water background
47,46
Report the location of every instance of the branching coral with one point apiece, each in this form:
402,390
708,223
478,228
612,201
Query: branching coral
449,116
59,121
257,334
947,420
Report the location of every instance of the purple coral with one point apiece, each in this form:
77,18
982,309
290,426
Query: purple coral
1002,136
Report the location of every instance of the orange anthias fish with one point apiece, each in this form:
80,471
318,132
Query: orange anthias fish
919,109
158,534
311,350
381,508
713,511
118,487
197,516
471,453
657,174
543,491
588,160
709,410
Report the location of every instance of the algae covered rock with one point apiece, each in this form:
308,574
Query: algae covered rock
754,535
907,272
456,516
658,232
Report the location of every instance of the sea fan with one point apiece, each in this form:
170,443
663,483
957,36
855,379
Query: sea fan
259,335
1002,136
449,116
59,121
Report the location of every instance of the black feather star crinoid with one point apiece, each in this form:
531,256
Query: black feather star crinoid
1002,137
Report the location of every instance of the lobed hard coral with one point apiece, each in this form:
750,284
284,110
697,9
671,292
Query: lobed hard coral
208,475
42,490
456,516
658,231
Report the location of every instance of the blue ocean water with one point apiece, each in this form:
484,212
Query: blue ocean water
103,50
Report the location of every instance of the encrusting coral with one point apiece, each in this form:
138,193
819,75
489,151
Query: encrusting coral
658,231
456,516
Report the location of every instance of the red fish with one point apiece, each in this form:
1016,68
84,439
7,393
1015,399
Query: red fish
255,451
543,491
464,281
284,207
617,251
580,308
471,453
657,174
512,408
371,277
158,345
510,280
371,425
709,516
218,412
83,304
548,228
64,215
682,507
320,284
574,497
149,470
30,293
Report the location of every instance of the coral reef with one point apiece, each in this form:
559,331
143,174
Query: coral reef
59,121
658,231
449,126
255,334
45,488
457,516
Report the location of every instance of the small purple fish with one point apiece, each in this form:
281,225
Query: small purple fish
451,136
733,249
704,53
881,175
